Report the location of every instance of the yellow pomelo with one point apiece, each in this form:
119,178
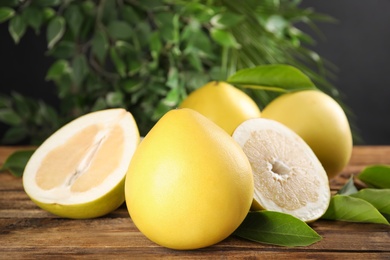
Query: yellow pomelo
288,177
189,184
222,103
79,171
320,121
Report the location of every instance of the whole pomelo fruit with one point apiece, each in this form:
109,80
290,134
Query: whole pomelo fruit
320,121
79,171
189,184
222,103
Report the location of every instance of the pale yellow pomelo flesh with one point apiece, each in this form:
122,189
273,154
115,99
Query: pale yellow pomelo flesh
79,171
189,184
320,121
288,177
222,103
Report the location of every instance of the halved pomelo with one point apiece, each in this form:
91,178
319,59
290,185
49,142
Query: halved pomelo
288,177
79,171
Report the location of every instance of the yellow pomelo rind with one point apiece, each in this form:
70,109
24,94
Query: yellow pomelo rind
320,121
288,177
222,103
79,171
97,208
189,184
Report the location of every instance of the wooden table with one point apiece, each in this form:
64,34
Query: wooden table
29,232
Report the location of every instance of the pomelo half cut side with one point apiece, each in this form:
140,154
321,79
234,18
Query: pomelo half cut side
288,177
79,171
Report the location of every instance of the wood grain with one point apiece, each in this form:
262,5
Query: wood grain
27,232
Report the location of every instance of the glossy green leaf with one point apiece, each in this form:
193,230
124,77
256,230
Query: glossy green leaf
55,31
276,77
6,13
10,117
377,176
17,28
16,162
347,208
379,198
276,228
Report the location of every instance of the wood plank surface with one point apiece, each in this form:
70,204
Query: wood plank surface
27,232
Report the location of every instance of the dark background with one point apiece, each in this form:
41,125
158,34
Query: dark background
358,45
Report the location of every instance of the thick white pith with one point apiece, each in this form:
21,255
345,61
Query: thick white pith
83,160
288,176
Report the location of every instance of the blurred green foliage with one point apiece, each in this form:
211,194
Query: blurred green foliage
146,56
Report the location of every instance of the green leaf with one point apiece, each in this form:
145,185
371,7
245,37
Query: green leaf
118,62
9,117
226,20
63,50
6,13
100,46
379,198
33,17
55,31
173,77
88,7
276,228
17,28
80,68
14,134
276,24
347,208
99,104
224,38
348,188
129,15
16,162
58,69
277,77
22,105
131,85
172,97
120,30
47,2
48,13
377,176
155,45
74,19
114,99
